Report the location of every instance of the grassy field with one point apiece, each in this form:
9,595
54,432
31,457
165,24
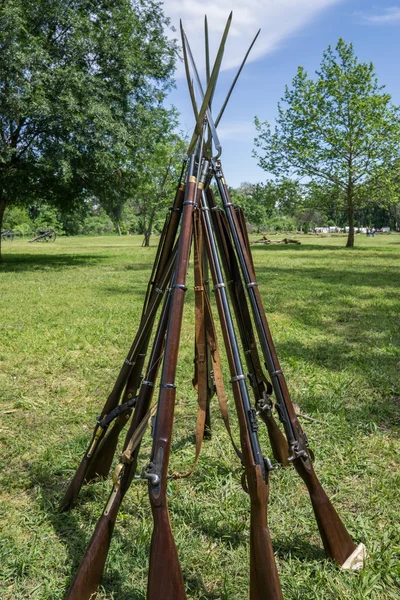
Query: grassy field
68,314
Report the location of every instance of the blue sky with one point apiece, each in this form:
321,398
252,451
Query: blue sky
293,33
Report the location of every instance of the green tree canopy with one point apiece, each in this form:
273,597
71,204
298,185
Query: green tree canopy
78,81
338,130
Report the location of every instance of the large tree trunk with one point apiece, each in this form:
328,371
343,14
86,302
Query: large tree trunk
350,214
2,209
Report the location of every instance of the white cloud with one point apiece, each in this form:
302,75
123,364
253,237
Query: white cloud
390,16
278,19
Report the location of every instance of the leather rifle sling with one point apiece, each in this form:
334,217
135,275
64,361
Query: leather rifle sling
217,372
205,334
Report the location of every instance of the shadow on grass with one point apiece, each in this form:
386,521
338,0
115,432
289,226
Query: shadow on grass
304,247
296,546
380,373
377,278
17,263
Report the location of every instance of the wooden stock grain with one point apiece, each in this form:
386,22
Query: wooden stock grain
165,580
336,540
264,579
278,442
103,457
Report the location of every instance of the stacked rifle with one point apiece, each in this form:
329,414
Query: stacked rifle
216,230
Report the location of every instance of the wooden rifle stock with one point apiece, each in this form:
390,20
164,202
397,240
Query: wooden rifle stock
336,540
264,579
102,460
90,572
165,580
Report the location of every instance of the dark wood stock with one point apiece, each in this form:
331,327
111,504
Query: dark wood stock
90,572
337,542
335,538
278,442
165,577
102,460
264,579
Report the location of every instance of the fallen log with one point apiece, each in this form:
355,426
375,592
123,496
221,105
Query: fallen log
265,240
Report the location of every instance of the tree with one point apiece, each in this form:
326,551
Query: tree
76,81
339,130
156,182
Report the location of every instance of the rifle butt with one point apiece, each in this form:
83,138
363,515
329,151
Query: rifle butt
102,460
165,576
337,542
279,445
264,578
90,572
75,485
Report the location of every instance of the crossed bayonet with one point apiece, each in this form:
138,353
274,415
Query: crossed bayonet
204,114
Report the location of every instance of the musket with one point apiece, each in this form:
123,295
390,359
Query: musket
262,388
90,572
264,579
336,540
165,581
100,452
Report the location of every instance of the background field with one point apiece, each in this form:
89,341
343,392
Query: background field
68,314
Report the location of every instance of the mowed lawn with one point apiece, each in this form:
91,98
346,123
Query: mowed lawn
69,311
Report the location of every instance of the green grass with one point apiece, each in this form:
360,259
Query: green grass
68,314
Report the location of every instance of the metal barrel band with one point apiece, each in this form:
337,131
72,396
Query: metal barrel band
174,209
180,286
238,378
171,386
129,362
276,373
189,202
147,382
252,284
219,286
